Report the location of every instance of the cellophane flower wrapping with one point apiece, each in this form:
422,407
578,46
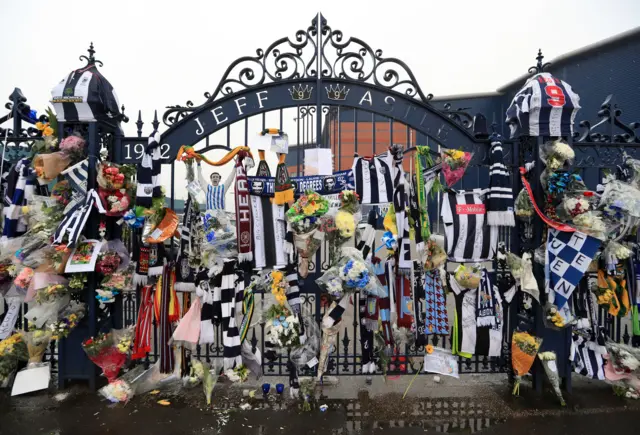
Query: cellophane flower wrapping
110,177
351,274
37,342
40,314
12,350
51,293
556,154
106,351
468,276
572,205
435,255
591,223
68,319
308,206
548,360
524,348
219,235
454,165
282,327
620,200
301,355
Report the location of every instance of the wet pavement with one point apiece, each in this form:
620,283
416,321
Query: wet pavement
485,409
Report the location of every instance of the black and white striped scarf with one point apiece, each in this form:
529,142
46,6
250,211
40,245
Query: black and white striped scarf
485,305
149,185
75,220
336,311
228,305
293,290
587,358
367,235
185,274
399,205
416,216
500,196
21,186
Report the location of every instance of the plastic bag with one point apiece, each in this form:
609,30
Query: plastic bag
620,200
468,276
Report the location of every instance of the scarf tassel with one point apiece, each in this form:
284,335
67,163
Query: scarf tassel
501,218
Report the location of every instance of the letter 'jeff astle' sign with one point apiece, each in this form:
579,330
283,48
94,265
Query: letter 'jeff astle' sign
218,114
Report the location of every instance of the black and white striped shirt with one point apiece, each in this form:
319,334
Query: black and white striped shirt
373,181
467,234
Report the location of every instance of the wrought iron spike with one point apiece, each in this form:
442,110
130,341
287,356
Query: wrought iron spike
139,123
155,123
91,60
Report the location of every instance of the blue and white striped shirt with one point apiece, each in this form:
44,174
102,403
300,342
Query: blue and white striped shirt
215,197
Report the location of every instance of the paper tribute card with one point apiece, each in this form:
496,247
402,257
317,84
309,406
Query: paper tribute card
318,161
442,362
84,256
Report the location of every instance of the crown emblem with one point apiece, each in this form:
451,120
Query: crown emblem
337,93
298,93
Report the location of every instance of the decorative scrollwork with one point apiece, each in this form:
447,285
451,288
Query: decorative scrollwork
298,57
460,115
616,131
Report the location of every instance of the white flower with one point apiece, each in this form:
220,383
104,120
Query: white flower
563,150
291,320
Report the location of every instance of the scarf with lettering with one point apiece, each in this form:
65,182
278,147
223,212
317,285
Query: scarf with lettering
418,280
283,185
399,206
486,304
185,274
243,209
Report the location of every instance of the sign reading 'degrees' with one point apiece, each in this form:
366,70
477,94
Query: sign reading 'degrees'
223,112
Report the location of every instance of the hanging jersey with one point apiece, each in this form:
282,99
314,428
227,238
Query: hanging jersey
85,95
545,106
215,197
373,180
468,237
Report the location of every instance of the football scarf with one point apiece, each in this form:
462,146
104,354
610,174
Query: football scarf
149,260
230,333
75,220
142,341
335,312
568,256
293,290
587,357
404,300
210,295
436,320
367,235
149,185
366,333
284,187
263,168
20,188
243,210
417,279
169,312
259,251
399,205
486,309
500,196
416,215
384,303
185,274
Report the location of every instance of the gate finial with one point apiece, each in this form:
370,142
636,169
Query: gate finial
540,67
91,60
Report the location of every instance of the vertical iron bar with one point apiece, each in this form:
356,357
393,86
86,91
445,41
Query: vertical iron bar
319,82
228,137
246,132
298,121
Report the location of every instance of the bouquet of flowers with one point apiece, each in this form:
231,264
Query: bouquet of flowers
77,281
117,391
67,320
283,327
107,262
468,276
454,165
591,223
116,202
622,369
119,281
524,348
309,206
37,342
238,374
278,287
548,360
110,177
217,235
51,293
435,255
351,274
108,353
348,214
12,350
23,279
572,206
556,154
73,146
620,199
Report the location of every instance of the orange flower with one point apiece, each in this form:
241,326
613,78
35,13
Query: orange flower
428,348
61,248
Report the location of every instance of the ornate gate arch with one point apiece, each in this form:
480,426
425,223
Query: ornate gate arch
318,67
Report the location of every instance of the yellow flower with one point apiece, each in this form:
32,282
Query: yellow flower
345,223
48,131
277,276
40,126
428,348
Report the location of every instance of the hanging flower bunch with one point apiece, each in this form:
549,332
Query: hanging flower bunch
73,146
524,348
110,177
105,351
45,128
278,287
523,206
106,296
575,206
435,255
591,223
454,165
283,328
108,262
23,279
77,281
556,154
304,212
548,360
345,217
